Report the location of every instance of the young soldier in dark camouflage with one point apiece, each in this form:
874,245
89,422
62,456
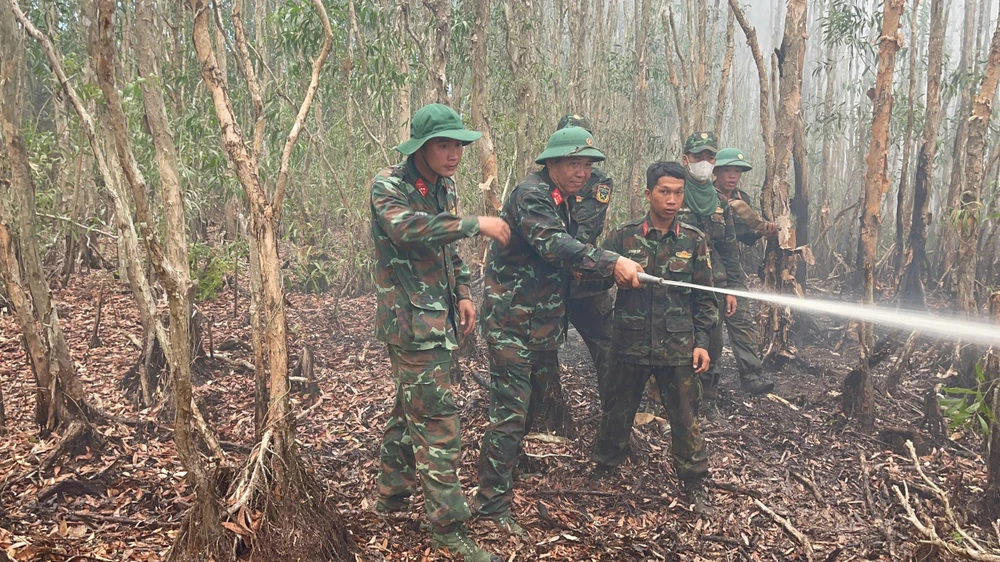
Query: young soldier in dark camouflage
423,298
588,306
741,325
704,210
524,305
661,331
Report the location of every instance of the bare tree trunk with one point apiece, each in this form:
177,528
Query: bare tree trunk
779,260
904,174
402,108
947,248
970,210
521,37
727,65
480,103
912,282
62,405
639,100
678,77
876,186
991,374
799,205
288,496
765,98
170,264
577,16
441,9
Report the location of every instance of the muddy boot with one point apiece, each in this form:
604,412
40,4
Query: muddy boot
506,523
457,542
394,504
710,409
696,494
757,384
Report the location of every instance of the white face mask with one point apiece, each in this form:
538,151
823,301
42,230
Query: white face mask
701,172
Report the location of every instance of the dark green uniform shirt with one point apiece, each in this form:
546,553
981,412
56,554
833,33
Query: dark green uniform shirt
657,325
743,233
419,275
526,283
590,209
720,230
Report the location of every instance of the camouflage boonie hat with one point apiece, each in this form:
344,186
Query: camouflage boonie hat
732,157
436,121
575,120
701,141
571,141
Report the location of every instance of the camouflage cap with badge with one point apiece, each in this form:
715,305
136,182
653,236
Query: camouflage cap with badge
701,141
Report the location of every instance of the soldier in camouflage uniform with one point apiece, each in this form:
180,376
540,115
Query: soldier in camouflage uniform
524,305
423,297
661,331
704,210
589,306
730,164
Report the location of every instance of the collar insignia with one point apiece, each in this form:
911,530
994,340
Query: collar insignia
557,196
422,187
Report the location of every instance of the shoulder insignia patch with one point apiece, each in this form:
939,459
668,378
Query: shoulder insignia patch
422,187
557,196
603,193
684,255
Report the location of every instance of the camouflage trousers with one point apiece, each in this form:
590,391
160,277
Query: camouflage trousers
710,378
591,316
519,379
422,442
742,329
680,393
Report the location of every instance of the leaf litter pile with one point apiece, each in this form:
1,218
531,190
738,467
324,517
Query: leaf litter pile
791,479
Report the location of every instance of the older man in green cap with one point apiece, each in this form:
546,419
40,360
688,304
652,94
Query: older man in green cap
423,301
704,210
589,305
730,164
524,305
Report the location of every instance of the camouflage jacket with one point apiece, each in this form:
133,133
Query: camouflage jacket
725,250
663,325
743,233
419,275
590,209
526,283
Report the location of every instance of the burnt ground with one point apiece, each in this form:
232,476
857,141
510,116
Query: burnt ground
793,455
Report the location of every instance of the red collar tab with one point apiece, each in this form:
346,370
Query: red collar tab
557,196
677,227
645,228
422,187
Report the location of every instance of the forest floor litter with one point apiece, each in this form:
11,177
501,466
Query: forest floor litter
792,479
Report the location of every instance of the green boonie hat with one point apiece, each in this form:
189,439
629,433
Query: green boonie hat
571,141
436,121
575,120
731,157
700,142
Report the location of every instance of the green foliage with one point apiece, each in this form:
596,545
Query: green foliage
312,271
210,266
969,408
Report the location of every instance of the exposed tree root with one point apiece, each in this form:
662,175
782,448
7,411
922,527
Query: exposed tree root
968,548
275,510
77,436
